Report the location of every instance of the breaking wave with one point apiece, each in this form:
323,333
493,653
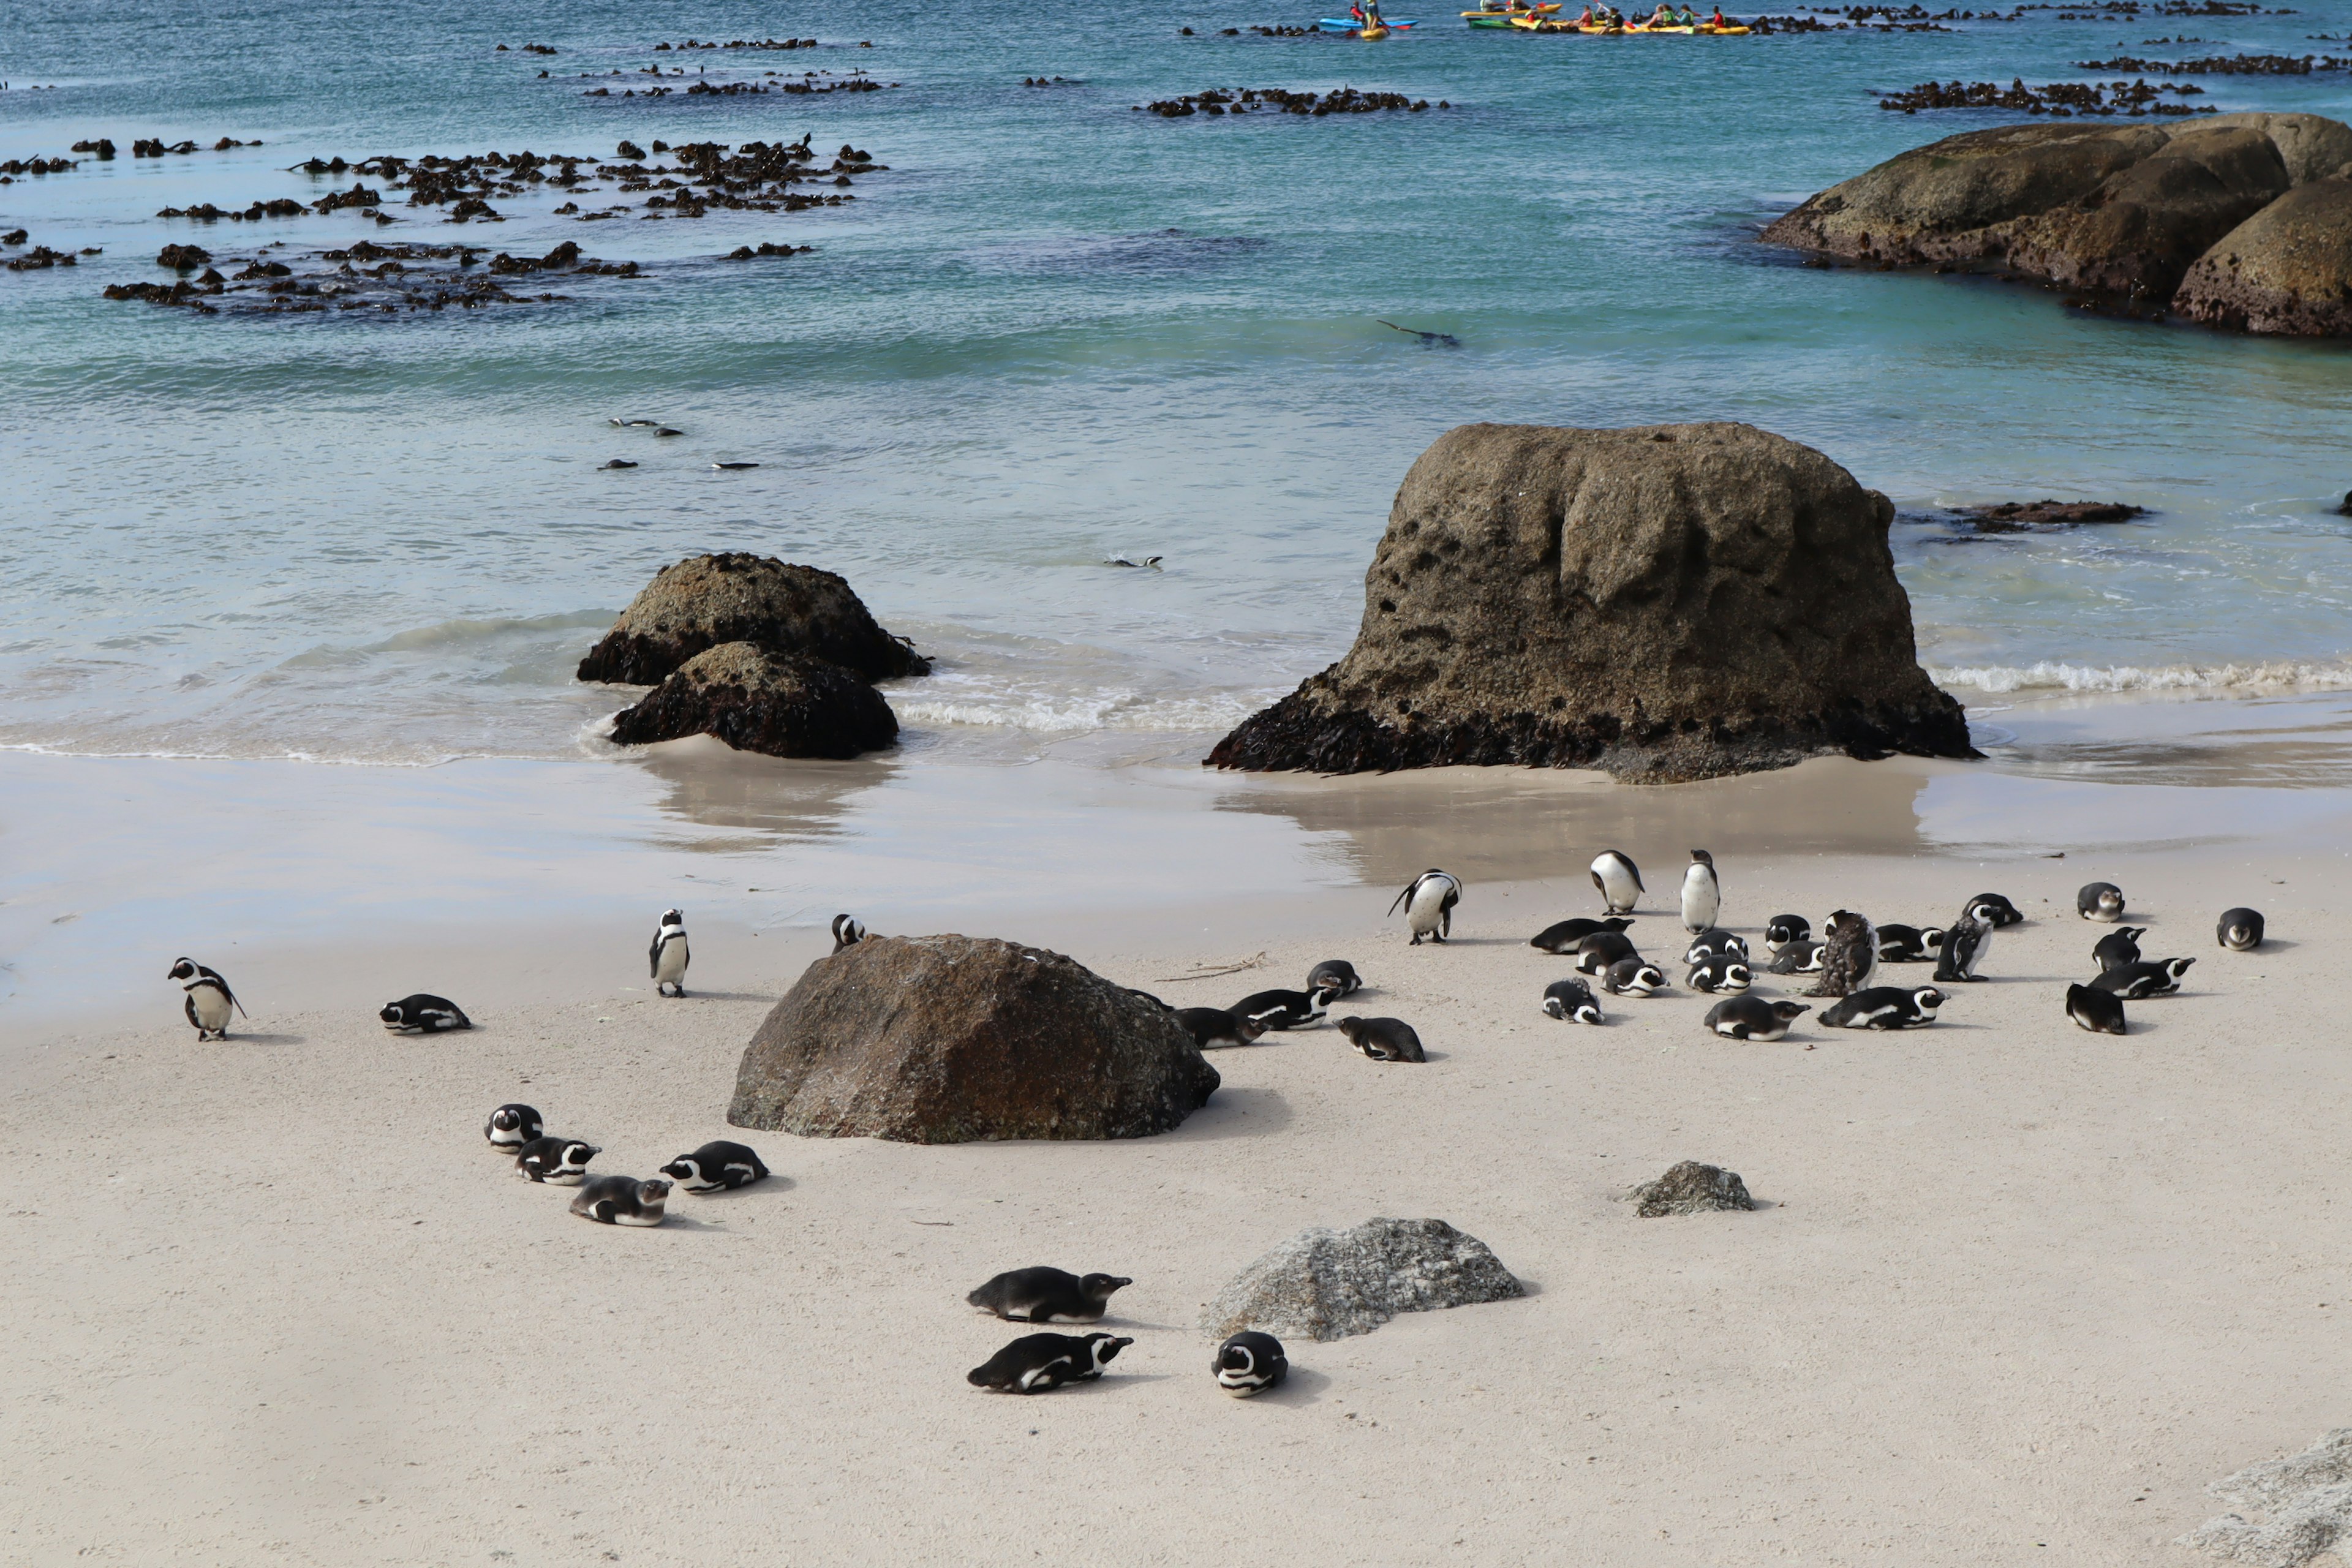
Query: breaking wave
2277,675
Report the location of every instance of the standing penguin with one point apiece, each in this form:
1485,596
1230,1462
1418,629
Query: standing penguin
209,998
1618,880
1849,956
1966,945
668,956
1702,894
1428,903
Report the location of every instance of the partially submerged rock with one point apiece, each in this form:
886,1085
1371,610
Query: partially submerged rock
2015,517
1328,1284
1691,1188
954,1039
707,600
2286,269
1666,603
786,705
2307,1498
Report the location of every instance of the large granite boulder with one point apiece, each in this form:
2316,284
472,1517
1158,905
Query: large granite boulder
2288,269
707,600
955,1039
786,705
1327,1284
1668,603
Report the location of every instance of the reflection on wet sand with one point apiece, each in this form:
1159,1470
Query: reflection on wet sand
760,798
2290,741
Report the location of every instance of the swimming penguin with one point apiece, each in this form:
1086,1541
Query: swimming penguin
621,1200
2133,981
2100,901
2101,1012
1570,1001
1250,1363
209,998
1428,902
1724,973
1212,1027
1849,956
2240,930
1565,936
667,957
1634,976
1336,976
1034,1363
1908,945
2004,913
1702,894
510,1127
1384,1039
1620,881
718,1166
1047,1296
1716,942
1284,1009
423,1014
1885,1007
1753,1018
558,1162
1782,929
1597,951
1800,957
847,932
2117,948
1966,945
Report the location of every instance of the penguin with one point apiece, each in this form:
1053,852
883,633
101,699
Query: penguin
1782,929
2240,930
558,1162
847,932
2100,901
1966,945
1565,936
1753,1018
1702,893
2117,948
666,958
1620,881
1634,976
2133,981
1570,1001
1213,1026
1722,973
510,1127
1428,903
621,1200
1800,957
1908,945
1885,1007
423,1014
1036,1363
1597,951
1284,1009
1716,944
1384,1039
2101,1012
1249,1363
1849,956
717,1167
1336,976
2004,913
209,998
1047,1296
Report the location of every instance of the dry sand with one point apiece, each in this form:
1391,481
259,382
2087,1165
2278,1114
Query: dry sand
2016,1292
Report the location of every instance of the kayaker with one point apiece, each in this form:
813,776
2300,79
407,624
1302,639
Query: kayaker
1586,20
1719,21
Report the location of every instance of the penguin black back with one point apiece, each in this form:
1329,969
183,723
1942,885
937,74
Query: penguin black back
2240,930
1384,1039
1213,1026
2004,913
621,1200
1036,1363
2117,948
1047,1296
1570,1001
423,1014
510,1127
1565,936
2100,901
1336,976
2101,1012
1782,929
1250,1363
719,1167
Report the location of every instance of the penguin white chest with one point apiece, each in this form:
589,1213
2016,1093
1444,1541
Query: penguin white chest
670,968
1428,907
212,1006
1702,898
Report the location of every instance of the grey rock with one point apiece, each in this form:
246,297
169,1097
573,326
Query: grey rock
1691,1188
734,597
1329,1284
2307,1498
786,705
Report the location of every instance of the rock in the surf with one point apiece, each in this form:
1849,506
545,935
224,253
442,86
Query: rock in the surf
1327,1284
1691,1187
955,1039
2286,269
1666,603
735,596
786,705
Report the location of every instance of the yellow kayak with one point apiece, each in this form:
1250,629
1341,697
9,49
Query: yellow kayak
1373,33
1715,32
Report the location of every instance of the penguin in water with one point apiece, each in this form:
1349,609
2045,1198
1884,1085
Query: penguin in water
1723,972
423,1014
847,932
2100,901
1966,945
1702,894
1849,956
1567,935
1753,1018
1249,1363
2133,981
1634,976
621,1200
1782,929
667,957
2101,1012
2004,913
1885,1007
1212,1027
1908,945
209,998
1384,1039
1037,1364
1284,1009
1618,880
1597,951
1047,1296
1570,1001
718,1166
2240,930
1336,976
558,1162
2117,948
1716,944
510,1127
1428,903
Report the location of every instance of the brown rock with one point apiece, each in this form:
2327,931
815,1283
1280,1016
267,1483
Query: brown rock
707,600
1668,603
954,1039
2287,269
786,705
2017,516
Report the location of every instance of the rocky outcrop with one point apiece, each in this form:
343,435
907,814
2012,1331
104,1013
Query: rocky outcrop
1668,603
2305,1502
955,1039
707,600
2123,214
1327,1284
786,705
2286,269
1691,1188
2017,517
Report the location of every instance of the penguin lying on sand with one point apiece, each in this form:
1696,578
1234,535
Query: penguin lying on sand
2004,913
1336,976
1715,942
1384,1039
558,1162
1908,945
1250,1363
2117,948
510,1127
2100,901
1047,1296
1724,974
2133,981
1601,948
1284,1009
1212,1027
423,1014
1634,976
1753,1018
2240,930
2101,1012
1565,936
621,1200
1782,929
1570,1001
718,1166
1885,1007
1798,957
1036,1363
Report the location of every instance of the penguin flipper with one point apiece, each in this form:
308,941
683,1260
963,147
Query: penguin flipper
1401,898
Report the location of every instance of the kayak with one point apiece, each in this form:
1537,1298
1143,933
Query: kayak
1547,8
1342,25
1373,33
